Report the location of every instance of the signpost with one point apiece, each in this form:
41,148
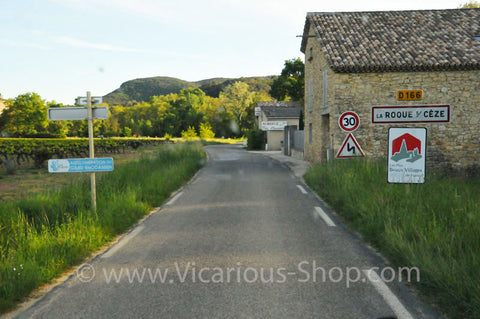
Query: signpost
406,155
411,114
90,164
409,95
350,148
80,165
76,113
349,121
273,125
83,100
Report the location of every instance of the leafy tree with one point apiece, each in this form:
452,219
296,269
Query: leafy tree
26,116
290,84
470,5
236,99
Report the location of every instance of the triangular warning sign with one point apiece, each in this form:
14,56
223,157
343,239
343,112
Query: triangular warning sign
350,148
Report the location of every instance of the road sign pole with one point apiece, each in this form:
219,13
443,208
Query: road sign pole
91,150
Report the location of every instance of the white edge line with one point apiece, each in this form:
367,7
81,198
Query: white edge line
302,189
174,198
400,311
325,217
122,242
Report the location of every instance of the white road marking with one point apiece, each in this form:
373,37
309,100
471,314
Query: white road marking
324,216
122,242
400,311
174,198
302,189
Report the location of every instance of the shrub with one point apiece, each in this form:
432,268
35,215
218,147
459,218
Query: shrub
189,134
255,139
206,131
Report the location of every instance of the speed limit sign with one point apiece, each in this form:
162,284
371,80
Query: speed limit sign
349,121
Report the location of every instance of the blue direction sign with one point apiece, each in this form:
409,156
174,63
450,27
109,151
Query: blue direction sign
80,165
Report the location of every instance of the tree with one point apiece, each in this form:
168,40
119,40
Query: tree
470,5
237,99
290,84
26,116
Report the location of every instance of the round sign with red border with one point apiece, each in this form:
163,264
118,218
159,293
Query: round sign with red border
349,121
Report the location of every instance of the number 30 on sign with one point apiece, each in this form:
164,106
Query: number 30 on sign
349,121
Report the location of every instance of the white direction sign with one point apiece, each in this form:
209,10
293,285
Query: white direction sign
82,100
349,121
76,113
350,148
406,155
273,125
411,114
258,111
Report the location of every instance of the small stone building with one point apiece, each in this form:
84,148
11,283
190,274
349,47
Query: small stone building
272,117
355,61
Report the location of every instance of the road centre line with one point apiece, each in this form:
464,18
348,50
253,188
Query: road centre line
123,241
302,189
174,198
400,311
324,216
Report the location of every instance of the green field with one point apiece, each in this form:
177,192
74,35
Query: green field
44,234
433,226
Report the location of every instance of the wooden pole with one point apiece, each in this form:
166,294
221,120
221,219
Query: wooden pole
91,149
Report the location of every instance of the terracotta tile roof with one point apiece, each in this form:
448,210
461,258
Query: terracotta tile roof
391,41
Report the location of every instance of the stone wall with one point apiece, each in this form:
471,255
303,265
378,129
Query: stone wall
451,146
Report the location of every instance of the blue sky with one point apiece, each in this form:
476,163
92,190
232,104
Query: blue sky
62,48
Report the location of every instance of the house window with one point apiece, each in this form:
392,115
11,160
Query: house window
310,57
310,133
325,87
310,95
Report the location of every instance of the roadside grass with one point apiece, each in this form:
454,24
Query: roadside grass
46,233
433,226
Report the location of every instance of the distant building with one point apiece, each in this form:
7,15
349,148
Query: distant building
273,116
355,61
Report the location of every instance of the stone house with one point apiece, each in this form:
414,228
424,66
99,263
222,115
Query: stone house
356,61
272,117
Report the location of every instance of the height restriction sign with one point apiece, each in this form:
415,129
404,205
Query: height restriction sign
349,121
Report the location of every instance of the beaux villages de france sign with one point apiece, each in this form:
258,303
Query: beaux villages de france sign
406,155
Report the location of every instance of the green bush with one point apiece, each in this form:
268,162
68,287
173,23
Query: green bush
255,139
189,134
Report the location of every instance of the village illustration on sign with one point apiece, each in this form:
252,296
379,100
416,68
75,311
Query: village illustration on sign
406,147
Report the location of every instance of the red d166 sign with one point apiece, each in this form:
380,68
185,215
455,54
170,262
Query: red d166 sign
349,121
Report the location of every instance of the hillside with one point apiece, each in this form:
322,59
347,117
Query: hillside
142,89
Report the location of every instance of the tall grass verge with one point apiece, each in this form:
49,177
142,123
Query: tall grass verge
433,226
43,235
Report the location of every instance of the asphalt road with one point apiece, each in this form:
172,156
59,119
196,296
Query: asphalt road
244,239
